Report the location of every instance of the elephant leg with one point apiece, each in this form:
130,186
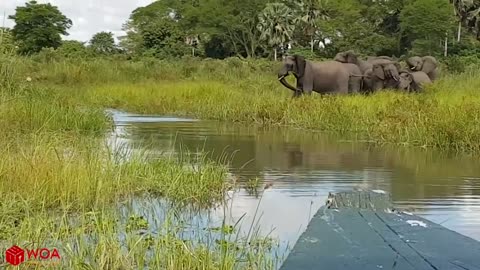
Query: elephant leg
354,85
342,86
377,85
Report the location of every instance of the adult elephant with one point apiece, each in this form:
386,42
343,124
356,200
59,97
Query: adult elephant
351,57
413,81
372,79
328,77
427,64
384,74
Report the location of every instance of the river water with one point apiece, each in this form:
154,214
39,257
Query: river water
300,168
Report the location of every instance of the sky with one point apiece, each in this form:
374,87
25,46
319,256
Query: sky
88,16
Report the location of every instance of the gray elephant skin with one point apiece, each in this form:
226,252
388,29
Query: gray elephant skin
427,64
327,77
355,80
384,74
413,81
378,71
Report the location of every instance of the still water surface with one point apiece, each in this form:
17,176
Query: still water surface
302,167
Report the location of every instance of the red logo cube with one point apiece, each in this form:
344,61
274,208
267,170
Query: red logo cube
15,255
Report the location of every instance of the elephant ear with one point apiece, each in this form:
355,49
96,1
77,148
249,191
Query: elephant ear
340,57
378,71
392,71
300,64
429,64
351,57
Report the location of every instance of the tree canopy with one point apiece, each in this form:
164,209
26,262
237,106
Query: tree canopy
262,28
254,28
39,26
103,43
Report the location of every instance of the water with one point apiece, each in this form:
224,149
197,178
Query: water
300,168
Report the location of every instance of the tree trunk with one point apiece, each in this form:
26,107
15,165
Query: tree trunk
446,46
459,31
311,43
275,54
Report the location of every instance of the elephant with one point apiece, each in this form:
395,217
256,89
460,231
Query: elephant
427,64
371,80
371,58
384,74
355,80
413,81
327,77
351,57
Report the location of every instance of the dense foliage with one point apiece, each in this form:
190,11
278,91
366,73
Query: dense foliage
266,29
39,26
103,43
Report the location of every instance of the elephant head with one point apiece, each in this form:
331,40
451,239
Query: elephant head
427,64
346,57
406,81
415,63
384,75
294,64
385,71
413,81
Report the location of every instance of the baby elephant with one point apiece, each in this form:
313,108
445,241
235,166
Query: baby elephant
413,81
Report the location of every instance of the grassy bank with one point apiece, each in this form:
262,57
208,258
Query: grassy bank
63,187
71,194
445,116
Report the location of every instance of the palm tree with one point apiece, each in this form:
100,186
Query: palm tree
310,12
276,24
467,12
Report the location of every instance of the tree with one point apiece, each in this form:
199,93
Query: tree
309,13
39,26
467,12
155,30
426,24
234,21
103,43
350,28
163,38
276,23
74,49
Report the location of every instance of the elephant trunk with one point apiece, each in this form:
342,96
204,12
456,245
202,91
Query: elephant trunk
286,84
283,73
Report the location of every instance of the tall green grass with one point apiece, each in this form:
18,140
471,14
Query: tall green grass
445,116
65,193
62,185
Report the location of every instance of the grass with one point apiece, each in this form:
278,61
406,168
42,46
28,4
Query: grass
446,116
66,192
63,186
71,190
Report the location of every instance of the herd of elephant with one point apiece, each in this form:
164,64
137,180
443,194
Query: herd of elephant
347,73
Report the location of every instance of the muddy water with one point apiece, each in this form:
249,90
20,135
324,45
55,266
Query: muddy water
300,169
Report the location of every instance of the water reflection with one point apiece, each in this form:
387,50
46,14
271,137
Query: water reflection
303,167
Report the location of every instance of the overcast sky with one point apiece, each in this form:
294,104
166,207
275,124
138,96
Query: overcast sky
88,16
